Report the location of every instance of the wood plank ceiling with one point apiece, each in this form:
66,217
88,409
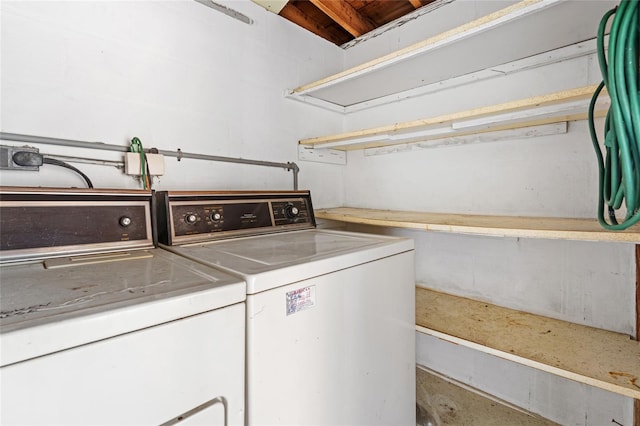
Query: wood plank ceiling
341,21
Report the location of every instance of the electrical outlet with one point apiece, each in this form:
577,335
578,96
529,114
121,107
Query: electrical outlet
155,164
132,164
6,157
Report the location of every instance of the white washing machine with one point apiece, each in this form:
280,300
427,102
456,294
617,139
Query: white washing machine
99,327
330,314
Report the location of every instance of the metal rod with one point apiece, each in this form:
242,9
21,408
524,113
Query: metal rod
179,154
85,160
62,142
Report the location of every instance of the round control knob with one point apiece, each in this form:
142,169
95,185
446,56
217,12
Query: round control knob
216,217
125,221
291,211
191,218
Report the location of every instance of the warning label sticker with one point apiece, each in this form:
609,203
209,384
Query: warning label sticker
301,299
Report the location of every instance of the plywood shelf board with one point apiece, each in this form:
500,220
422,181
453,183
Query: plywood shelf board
438,40
448,81
422,63
498,226
566,105
596,357
452,403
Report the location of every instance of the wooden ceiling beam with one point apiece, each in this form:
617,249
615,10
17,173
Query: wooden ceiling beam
296,15
345,16
416,3
300,18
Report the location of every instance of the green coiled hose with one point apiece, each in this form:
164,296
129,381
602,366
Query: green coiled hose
619,171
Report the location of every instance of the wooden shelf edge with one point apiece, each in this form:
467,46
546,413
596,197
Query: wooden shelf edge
565,105
483,225
530,363
560,54
514,11
613,378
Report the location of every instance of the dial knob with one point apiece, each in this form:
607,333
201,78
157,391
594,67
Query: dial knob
191,218
125,221
216,216
291,211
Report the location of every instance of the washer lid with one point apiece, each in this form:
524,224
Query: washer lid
54,305
270,261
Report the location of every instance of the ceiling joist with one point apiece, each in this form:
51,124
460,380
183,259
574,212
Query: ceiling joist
341,21
345,16
302,19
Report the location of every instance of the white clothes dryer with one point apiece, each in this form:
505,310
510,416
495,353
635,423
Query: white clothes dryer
98,327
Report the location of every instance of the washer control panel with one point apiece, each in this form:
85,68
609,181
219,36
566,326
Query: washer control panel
199,216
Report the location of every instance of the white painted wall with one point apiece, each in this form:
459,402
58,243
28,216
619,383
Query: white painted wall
583,282
174,73
179,75
545,176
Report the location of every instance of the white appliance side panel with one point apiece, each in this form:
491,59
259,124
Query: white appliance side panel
345,357
146,377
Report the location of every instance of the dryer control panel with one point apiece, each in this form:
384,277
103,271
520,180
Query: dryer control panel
185,217
39,223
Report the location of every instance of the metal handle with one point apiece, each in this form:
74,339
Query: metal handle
217,400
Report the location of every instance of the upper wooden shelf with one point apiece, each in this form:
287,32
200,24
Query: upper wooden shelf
566,105
497,226
587,355
499,38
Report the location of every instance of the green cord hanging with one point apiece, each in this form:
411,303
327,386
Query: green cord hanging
619,170
136,146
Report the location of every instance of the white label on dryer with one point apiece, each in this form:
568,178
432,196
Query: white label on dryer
301,299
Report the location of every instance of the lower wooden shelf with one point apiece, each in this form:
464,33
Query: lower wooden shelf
596,357
497,226
444,401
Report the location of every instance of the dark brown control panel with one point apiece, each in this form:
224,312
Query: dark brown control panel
49,222
185,217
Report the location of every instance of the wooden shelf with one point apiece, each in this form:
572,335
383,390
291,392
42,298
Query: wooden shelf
444,57
496,226
566,105
454,403
596,357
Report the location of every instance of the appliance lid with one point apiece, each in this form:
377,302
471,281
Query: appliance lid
65,302
269,261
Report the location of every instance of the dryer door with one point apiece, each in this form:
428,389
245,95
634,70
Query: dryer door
147,377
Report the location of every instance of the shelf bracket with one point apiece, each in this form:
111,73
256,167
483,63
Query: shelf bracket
322,155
